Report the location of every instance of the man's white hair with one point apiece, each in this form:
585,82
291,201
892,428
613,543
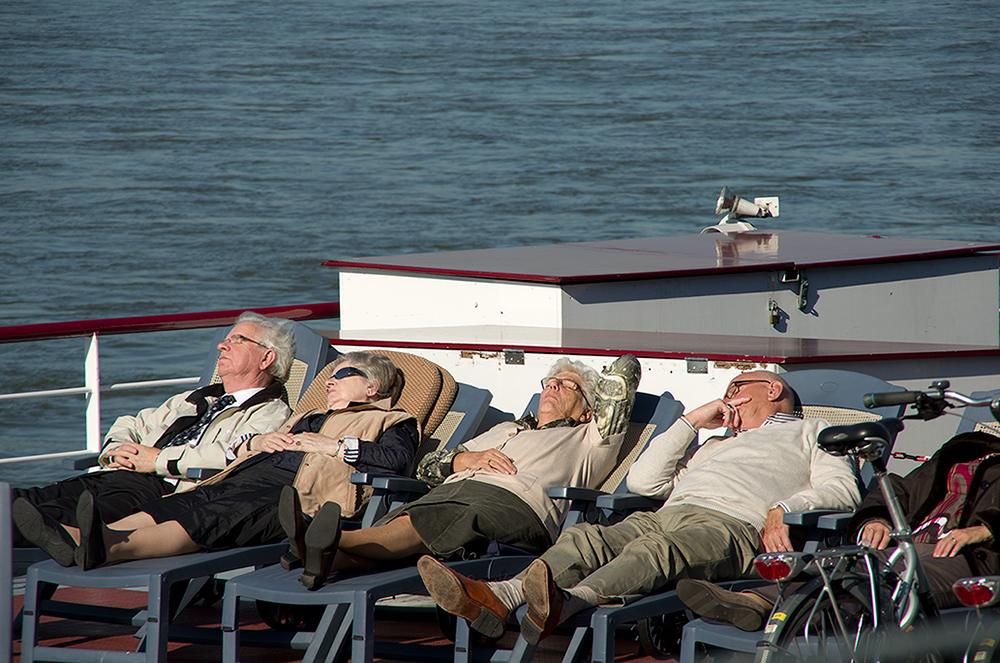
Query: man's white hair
276,334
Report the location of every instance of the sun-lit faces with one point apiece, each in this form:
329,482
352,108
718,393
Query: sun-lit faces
559,400
242,357
737,385
762,390
348,384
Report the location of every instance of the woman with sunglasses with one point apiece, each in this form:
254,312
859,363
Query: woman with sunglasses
315,452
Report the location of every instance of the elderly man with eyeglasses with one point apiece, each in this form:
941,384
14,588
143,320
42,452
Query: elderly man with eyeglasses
724,503
147,455
495,487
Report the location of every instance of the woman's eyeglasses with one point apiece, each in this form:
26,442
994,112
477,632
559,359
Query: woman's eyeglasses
564,383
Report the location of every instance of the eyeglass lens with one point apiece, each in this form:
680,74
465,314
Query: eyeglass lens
346,372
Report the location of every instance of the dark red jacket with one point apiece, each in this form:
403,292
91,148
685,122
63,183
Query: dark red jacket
923,488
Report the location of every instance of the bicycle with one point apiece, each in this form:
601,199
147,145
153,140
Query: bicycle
852,606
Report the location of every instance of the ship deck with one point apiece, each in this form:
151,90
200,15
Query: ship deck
74,634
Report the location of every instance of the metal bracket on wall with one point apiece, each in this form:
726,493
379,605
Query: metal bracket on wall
513,357
697,365
800,286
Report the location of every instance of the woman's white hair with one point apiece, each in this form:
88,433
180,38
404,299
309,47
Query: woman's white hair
588,376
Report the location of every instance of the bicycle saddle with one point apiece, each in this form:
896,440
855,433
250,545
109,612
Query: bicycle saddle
867,439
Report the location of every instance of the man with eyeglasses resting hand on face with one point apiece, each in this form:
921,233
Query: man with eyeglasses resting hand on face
724,503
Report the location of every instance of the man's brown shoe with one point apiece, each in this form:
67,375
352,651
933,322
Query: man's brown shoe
743,610
545,602
470,599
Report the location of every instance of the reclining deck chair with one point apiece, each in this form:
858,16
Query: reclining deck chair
351,600
980,418
836,396
311,353
158,575
829,394
728,637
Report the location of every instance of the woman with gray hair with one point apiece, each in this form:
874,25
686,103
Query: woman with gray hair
315,452
589,377
495,486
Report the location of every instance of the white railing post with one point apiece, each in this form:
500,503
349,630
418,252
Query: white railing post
92,380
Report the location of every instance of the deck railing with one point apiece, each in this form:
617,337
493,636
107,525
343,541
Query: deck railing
94,329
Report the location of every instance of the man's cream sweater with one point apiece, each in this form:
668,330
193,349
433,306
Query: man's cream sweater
747,475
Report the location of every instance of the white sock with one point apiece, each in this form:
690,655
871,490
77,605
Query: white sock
509,592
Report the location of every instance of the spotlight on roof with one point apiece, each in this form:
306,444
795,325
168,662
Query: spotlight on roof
737,209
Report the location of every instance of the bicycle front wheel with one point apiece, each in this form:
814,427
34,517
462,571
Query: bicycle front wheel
812,625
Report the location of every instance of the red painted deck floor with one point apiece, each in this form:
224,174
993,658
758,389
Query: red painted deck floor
56,632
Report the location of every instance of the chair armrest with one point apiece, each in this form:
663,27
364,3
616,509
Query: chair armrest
365,478
806,518
574,493
82,462
582,504
390,482
389,492
627,502
834,521
201,473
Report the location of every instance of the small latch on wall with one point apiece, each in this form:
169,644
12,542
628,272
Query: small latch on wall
697,365
773,312
803,294
800,285
513,357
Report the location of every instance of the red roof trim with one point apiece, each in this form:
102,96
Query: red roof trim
558,280
151,323
659,354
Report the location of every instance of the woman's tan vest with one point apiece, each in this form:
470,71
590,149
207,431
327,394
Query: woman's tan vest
322,478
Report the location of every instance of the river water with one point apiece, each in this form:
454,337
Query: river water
188,155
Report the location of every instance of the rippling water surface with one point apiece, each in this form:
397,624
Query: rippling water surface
187,155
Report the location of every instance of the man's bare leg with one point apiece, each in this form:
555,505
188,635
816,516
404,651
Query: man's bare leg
372,547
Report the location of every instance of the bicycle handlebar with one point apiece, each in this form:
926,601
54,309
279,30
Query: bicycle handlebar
930,404
892,398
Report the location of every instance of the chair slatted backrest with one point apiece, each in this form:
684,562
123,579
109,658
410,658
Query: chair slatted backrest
428,393
650,415
838,416
837,396
979,419
462,421
991,427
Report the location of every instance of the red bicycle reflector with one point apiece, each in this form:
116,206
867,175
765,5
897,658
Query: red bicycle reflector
774,566
977,591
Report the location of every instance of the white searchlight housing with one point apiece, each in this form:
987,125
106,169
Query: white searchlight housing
737,209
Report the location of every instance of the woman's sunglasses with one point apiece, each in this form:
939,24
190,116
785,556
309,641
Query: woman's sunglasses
346,372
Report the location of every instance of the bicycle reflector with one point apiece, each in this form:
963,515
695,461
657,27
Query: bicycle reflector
779,566
977,592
